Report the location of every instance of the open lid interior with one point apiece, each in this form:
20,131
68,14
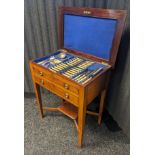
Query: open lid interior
90,35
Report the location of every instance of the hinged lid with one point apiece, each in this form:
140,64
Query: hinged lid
95,32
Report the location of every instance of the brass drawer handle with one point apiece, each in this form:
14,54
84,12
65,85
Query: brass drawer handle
66,95
41,73
66,85
42,82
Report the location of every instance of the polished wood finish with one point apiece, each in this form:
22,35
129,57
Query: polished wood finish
69,110
101,106
49,109
37,92
77,95
92,113
81,114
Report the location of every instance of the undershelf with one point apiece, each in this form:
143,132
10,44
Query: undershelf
69,110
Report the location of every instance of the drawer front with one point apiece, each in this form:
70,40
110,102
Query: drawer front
55,79
43,82
65,95
65,84
57,90
42,73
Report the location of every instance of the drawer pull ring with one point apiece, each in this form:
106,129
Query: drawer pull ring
66,86
66,95
41,73
42,81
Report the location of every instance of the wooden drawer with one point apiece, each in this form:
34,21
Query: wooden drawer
55,79
57,90
65,84
42,72
43,82
65,95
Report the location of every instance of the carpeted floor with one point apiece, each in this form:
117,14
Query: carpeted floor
56,134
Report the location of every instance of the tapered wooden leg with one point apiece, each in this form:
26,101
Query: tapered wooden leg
81,120
38,96
81,124
101,107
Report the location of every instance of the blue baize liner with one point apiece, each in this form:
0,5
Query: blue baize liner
96,66
45,57
68,57
47,65
90,35
92,70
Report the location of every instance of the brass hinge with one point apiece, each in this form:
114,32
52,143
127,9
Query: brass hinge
87,12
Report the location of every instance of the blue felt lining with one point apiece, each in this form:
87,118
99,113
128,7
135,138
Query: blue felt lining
89,34
46,57
96,66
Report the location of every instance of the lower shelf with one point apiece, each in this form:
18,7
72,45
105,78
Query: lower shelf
69,110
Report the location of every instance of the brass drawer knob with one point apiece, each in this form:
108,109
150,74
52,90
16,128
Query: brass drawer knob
42,82
66,85
41,73
66,95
